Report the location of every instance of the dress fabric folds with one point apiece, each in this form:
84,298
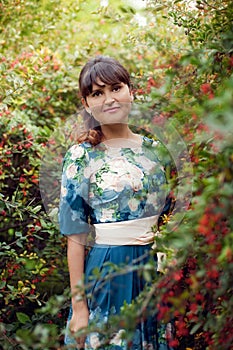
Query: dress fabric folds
108,185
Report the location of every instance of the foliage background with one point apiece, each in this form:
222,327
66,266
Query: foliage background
180,57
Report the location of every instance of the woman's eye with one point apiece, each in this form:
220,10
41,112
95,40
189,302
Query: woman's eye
96,93
116,88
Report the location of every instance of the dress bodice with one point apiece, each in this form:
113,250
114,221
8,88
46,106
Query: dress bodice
108,184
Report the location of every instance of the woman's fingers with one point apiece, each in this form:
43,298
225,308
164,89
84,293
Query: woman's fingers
80,340
78,323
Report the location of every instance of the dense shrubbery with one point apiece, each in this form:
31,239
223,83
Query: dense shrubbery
183,76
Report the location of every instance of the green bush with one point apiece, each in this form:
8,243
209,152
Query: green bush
181,63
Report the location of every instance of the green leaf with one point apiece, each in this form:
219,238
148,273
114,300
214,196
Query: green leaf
2,284
36,209
10,287
18,234
19,244
195,328
22,318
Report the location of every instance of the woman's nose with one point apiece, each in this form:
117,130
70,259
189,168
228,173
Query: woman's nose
109,98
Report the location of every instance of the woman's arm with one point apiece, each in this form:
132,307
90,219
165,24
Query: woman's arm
75,256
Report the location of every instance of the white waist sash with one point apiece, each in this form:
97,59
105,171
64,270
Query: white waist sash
131,232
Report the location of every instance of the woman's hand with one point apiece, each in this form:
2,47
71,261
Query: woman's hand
78,321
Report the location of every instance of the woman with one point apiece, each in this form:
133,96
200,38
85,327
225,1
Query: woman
113,181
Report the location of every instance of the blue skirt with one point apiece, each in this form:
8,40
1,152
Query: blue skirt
110,288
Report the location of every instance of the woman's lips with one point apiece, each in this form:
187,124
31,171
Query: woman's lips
111,109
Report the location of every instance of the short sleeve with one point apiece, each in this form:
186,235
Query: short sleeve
73,208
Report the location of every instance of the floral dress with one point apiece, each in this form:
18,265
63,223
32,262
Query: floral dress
102,185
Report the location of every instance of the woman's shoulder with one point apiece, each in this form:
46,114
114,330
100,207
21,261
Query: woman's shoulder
81,145
78,151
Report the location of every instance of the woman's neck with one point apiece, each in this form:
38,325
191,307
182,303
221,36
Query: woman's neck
113,132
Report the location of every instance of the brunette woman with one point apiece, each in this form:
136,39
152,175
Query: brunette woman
114,182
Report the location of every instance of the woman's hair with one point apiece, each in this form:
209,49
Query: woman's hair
110,72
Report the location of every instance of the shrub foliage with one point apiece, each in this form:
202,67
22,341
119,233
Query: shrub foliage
181,61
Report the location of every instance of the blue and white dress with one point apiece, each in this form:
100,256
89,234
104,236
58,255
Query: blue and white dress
121,192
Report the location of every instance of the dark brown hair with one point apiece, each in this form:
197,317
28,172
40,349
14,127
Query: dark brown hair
110,72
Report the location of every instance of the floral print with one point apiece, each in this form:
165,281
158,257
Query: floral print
110,184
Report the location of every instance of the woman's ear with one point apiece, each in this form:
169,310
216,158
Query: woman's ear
84,103
131,96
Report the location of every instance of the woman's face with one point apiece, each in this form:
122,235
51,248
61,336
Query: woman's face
109,104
